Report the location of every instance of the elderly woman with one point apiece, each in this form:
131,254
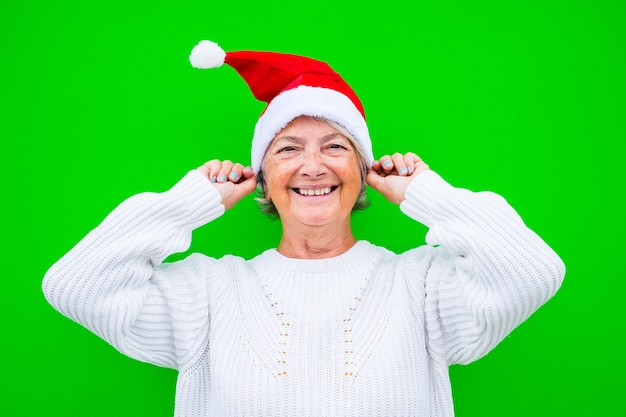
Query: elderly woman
325,324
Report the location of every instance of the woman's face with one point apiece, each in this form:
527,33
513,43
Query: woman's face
312,173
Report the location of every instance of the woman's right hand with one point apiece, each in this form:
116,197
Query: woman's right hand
232,180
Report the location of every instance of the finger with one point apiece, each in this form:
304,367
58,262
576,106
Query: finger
248,172
210,169
399,164
386,163
411,161
235,173
224,172
415,163
376,166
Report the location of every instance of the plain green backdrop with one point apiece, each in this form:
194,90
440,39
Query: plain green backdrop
528,99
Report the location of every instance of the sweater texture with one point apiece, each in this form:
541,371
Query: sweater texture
366,333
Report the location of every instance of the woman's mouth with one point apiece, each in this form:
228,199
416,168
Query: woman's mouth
308,192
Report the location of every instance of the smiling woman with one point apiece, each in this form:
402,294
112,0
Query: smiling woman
325,324
313,177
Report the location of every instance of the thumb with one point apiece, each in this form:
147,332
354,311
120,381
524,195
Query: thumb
375,180
246,186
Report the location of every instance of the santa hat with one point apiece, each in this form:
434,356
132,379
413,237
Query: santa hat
292,86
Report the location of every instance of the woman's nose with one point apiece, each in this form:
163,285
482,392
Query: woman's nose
313,164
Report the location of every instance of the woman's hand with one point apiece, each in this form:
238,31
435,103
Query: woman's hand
391,175
233,181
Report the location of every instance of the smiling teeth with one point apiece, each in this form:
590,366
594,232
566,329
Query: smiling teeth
316,191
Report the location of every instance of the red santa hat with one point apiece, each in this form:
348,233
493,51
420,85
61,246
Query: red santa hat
292,86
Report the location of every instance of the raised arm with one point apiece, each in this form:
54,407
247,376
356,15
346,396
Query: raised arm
114,283
486,270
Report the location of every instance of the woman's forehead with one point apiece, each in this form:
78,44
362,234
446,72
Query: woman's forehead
301,139
302,126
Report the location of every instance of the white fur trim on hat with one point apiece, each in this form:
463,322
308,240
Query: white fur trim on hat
308,101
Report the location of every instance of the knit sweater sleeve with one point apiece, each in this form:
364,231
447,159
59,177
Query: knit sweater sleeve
114,283
487,271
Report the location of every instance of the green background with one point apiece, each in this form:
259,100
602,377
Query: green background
98,102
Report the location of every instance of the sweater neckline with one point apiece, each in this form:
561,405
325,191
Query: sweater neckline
361,251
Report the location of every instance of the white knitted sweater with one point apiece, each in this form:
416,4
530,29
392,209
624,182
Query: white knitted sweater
368,333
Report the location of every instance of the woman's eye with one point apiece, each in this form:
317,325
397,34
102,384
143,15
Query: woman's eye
336,146
287,149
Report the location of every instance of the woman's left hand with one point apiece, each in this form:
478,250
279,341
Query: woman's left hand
392,174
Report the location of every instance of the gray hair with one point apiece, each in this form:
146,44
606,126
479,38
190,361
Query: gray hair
265,204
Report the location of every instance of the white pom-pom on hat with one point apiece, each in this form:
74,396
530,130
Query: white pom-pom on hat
207,54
